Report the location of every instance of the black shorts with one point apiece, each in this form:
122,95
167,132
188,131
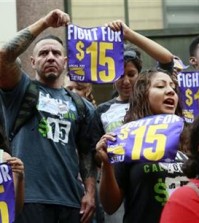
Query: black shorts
47,213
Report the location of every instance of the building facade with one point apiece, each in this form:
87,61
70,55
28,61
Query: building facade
172,23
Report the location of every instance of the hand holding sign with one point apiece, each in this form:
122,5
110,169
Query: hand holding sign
7,195
95,54
189,91
152,138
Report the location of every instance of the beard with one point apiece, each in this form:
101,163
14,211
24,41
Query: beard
48,77
51,77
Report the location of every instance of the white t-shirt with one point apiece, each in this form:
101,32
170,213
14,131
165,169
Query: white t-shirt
1,155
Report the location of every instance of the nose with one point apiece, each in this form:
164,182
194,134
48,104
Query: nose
126,79
50,56
74,90
170,90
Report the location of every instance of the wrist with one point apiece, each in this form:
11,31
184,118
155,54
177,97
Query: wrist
20,176
44,23
39,26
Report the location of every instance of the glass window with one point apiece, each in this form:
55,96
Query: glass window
96,13
138,14
181,13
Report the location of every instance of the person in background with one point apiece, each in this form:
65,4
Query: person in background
110,114
17,168
194,53
144,186
183,205
178,66
85,90
80,88
47,142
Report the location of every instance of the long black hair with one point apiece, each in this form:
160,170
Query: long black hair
139,102
4,144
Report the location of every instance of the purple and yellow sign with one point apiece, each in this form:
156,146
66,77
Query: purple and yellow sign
154,138
95,54
7,194
189,92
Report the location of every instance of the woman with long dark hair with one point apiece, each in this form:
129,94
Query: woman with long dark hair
143,185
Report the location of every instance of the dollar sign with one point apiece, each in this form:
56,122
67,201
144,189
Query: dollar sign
189,100
160,190
80,54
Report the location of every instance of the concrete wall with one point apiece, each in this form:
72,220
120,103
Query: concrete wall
28,11
8,24
143,15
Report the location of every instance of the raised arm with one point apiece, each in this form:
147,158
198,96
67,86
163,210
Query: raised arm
152,48
10,72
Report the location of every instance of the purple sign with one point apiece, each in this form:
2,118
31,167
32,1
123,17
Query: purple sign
7,194
154,138
189,92
95,55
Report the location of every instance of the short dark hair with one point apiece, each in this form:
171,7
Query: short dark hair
4,144
50,37
193,46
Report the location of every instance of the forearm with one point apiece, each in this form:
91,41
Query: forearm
90,185
151,47
88,173
16,46
87,166
110,194
19,193
10,72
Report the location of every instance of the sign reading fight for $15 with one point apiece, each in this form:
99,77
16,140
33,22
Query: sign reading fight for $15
154,138
189,93
94,54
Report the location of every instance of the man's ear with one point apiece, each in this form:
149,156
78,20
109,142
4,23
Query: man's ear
88,92
32,62
193,62
65,60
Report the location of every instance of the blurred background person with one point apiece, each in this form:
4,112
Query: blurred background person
80,88
183,205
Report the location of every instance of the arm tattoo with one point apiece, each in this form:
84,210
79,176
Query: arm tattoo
87,166
18,44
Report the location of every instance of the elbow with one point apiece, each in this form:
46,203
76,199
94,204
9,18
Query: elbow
110,208
110,211
170,57
166,58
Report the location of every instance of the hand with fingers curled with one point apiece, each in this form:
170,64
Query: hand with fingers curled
101,148
116,25
17,167
56,18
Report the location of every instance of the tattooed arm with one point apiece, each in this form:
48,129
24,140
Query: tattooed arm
10,73
88,173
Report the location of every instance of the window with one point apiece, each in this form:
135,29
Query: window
138,14
181,13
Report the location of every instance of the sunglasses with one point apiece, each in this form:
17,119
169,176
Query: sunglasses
131,54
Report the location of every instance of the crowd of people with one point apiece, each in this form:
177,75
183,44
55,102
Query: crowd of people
59,159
